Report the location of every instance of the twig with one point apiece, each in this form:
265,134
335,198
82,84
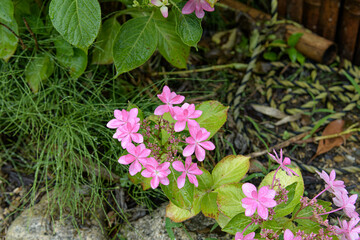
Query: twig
32,33
238,66
316,139
21,41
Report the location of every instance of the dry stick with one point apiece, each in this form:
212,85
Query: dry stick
238,66
32,33
21,41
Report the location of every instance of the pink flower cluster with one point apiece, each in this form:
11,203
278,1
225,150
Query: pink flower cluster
127,125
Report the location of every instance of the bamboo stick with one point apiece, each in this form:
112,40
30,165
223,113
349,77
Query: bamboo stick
295,10
329,14
311,14
282,8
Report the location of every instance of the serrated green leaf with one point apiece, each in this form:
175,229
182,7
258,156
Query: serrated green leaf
78,21
139,179
103,49
213,116
135,43
208,205
205,180
278,224
6,10
170,45
229,199
294,39
188,27
182,198
230,169
285,181
38,70
239,223
8,41
177,214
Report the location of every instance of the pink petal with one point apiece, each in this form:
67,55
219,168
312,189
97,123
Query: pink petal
196,114
263,191
114,123
190,140
180,126
164,166
125,141
267,202
189,7
192,122
178,166
144,153
207,145
188,162
154,182
164,181
160,110
248,188
204,135
178,113
193,129
164,12
199,12
134,168
262,211
195,170
137,137
206,6
199,153
177,100
250,210
288,235
118,114
250,236
131,149
181,180
248,201
287,161
193,180
146,173
189,150
126,159
157,3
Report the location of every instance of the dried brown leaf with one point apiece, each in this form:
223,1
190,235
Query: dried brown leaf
272,112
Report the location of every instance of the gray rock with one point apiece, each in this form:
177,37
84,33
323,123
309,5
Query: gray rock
152,226
33,224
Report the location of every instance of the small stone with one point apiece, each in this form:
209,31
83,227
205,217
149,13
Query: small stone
339,158
350,158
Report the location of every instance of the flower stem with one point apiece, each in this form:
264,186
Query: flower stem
246,228
320,193
272,184
332,211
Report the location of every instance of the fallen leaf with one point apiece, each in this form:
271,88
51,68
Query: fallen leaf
272,112
287,119
325,145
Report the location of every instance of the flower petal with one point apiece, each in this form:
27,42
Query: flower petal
199,153
189,150
248,188
189,7
180,126
134,168
160,110
126,159
181,180
207,145
154,183
178,166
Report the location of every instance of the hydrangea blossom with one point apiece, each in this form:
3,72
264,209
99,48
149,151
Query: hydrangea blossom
283,163
184,115
169,98
136,156
346,203
288,235
197,142
128,133
190,170
348,230
261,200
163,6
240,236
158,173
198,6
334,186
123,117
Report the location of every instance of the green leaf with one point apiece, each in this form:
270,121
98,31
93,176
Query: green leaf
135,43
169,225
271,56
78,21
183,197
285,181
229,199
8,41
308,212
239,223
222,220
278,224
294,39
139,179
6,10
103,49
205,180
213,116
208,205
170,44
74,59
177,214
300,58
230,169
292,52
37,70
188,27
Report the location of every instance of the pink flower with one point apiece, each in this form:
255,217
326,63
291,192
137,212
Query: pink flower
190,169
183,115
347,230
282,163
162,5
288,235
196,142
260,201
331,184
157,172
122,117
127,133
346,203
136,156
169,98
198,6
240,236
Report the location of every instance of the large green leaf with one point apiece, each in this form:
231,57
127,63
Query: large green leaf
135,43
238,223
103,50
177,214
285,181
139,179
184,197
188,27
230,169
38,70
8,41
229,199
308,212
208,205
213,116
205,180
6,10
170,44
78,21
74,59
